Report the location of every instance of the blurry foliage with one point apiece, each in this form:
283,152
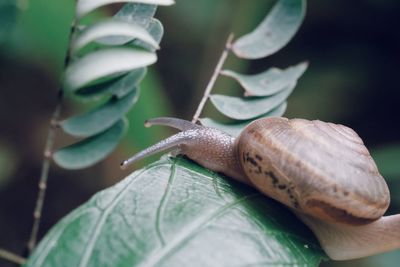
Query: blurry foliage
8,16
352,48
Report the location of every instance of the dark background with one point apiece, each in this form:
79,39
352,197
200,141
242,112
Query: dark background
353,48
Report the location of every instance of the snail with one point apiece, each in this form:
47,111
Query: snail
321,171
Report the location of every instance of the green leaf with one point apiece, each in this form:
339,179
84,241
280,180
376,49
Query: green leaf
156,30
143,15
140,14
90,150
118,86
100,118
274,32
175,213
117,32
103,63
85,6
387,159
8,17
235,129
249,108
268,82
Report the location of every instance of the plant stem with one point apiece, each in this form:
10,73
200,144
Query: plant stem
213,79
37,213
7,255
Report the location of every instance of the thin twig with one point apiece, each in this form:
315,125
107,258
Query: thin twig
37,213
7,255
213,79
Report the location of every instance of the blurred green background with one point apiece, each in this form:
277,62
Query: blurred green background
353,48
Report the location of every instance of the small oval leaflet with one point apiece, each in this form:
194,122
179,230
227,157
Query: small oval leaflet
120,31
274,32
249,108
268,82
91,150
83,7
236,128
100,118
119,86
103,63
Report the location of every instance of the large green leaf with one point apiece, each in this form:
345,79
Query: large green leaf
103,63
274,32
100,118
121,31
175,213
235,129
249,108
268,82
83,7
91,150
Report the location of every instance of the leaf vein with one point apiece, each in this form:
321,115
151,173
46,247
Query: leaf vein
191,231
89,247
160,209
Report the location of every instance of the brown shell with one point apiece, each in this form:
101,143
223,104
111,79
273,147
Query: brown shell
318,168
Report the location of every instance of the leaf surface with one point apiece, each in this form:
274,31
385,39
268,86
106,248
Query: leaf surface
121,31
274,32
103,63
100,118
85,6
90,150
268,82
175,213
235,129
249,108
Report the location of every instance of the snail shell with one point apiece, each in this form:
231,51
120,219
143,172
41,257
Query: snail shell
321,169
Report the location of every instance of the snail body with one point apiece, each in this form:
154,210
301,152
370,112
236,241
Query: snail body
322,171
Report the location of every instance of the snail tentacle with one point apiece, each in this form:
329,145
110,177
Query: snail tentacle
171,143
180,124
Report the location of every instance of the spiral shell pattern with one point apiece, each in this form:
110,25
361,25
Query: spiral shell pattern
318,168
